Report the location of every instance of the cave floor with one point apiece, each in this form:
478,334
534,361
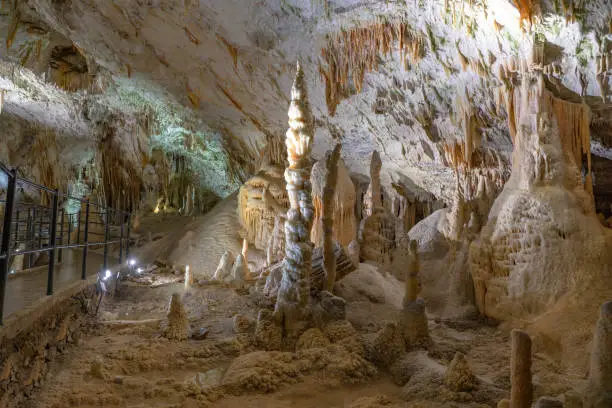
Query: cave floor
121,359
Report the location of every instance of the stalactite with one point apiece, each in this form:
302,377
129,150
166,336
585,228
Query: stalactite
350,54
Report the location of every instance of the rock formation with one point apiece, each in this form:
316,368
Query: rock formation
188,277
178,325
377,228
224,269
240,271
327,216
260,200
413,321
354,252
546,402
245,251
292,305
521,394
599,387
276,244
542,236
459,377
341,202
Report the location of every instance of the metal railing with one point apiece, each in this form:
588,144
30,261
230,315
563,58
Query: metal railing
31,230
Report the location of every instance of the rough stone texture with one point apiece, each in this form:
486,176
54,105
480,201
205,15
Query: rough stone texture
413,324
458,375
328,308
178,324
261,200
268,335
547,402
292,303
354,252
224,270
339,330
386,346
521,393
242,324
542,237
258,42
342,203
29,345
377,229
312,338
240,271
266,371
599,387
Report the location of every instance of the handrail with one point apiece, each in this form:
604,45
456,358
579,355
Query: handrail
23,225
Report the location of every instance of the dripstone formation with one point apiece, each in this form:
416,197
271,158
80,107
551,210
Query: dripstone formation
292,308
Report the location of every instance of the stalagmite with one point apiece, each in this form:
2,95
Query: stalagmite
372,198
378,227
292,309
188,277
459,377
599,387
353,252
178,324
240,271
225,266
413,321
342,203
521,394
276,244
543,205
245,251
327,221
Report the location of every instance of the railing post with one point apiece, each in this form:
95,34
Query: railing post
30,234
52,243
61,237
106,239
16,239
40,223
78,238
85,240
127,243
121,240
6,238
69,227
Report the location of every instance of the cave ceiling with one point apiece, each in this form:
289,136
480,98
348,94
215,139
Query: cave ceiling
220,71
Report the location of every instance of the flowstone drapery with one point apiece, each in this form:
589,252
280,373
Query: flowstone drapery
542,237
292,308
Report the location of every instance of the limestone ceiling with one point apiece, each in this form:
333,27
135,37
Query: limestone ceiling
230,63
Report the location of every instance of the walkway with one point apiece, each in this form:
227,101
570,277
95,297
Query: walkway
25,288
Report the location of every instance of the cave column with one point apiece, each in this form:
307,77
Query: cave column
292,311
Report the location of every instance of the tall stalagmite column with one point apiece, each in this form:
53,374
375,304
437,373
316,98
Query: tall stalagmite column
327,219
292,302
521,394
377,227
599,387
